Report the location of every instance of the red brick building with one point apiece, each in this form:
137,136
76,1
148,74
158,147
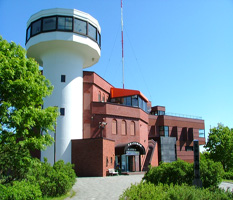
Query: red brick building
121,130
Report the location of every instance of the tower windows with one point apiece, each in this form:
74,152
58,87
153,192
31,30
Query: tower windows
36,27
65,23
62,111
49,23
92,31
63,78
80,26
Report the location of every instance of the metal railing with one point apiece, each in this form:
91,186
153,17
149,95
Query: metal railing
183,115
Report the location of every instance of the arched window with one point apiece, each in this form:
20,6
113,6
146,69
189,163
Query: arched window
103,98
132,128
123,127
114,127
99,96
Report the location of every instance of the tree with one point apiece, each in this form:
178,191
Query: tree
220,146
22,89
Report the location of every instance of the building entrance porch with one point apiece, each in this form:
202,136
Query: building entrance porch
128,157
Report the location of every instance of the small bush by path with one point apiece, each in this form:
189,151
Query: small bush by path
148,191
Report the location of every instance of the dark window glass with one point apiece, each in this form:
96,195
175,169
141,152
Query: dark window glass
201,133
140,101
49,24
36,27
164,131
63,78
144,106
128,101
28,33
92,31
135,101
161,131
161,112
188,148
80,26
65,23
62,111
99,38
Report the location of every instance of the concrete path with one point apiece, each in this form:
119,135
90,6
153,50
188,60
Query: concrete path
111,187
226,186
103,188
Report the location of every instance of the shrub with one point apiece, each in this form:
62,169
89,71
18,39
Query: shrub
211,173
20,190
180,172
228,175
148,191
177,172
53,181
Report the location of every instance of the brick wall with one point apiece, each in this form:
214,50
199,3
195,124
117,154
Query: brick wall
90,156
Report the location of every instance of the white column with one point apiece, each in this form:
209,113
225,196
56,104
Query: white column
67,95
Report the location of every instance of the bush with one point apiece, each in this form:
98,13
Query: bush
53,181
177,172
148,191
228,175
211,173
180,172
20,190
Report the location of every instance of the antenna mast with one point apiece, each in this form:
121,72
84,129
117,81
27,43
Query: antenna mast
122,43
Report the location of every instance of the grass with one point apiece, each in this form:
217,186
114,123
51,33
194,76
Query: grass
69,194
226,180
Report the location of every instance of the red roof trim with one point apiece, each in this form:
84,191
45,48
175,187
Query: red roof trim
117,92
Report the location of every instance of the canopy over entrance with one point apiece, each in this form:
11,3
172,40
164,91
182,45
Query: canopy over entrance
123,148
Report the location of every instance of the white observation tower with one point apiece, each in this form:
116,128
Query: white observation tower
63,42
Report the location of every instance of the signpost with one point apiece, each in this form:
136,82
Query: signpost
197,178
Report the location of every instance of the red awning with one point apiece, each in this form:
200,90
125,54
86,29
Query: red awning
117,92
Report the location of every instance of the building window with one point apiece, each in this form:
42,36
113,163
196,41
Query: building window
103,98
106,161
135,101
36,27
164,131
132,128
123,127
99,38
65,23
201,133
188,148
114,127
92,31
49,23
63,78
28,33
99,96
62,111
80,26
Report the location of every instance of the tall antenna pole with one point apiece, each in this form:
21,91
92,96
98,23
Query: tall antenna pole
122,43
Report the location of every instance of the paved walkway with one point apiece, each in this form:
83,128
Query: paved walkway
110,187
226,186
103,188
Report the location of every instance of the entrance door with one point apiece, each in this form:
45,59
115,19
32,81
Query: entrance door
131,163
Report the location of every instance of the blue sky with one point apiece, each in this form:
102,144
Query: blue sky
178,53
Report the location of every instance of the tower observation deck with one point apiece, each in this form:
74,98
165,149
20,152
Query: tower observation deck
63,42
